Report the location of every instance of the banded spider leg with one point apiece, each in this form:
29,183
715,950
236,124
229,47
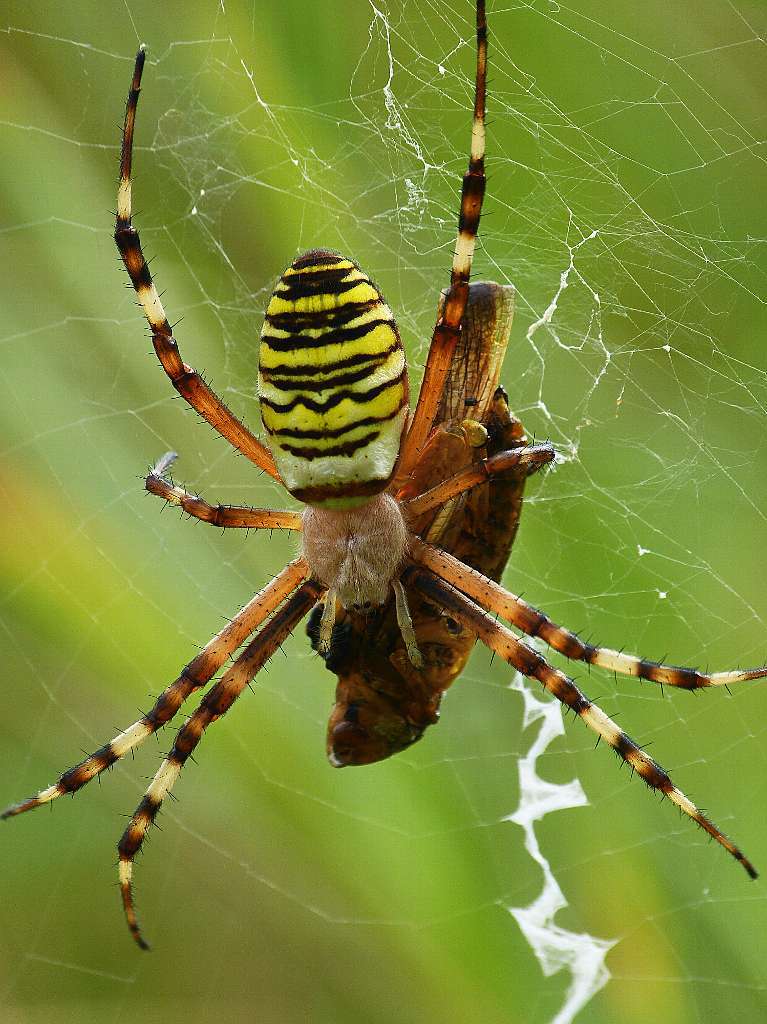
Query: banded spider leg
214,704
239,517
184,378
530,663
495,599
449,324
193,676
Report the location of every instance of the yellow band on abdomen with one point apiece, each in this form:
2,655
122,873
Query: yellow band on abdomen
332,381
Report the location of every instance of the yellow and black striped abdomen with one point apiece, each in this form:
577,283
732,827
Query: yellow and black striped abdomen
332,381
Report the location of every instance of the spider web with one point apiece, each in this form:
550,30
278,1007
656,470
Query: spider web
501,869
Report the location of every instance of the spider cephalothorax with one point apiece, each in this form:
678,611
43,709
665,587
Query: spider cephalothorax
409,520
357,552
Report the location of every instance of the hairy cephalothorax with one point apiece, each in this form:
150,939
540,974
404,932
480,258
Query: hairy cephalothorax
356,552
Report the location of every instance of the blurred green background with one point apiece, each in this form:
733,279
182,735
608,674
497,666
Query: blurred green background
626,204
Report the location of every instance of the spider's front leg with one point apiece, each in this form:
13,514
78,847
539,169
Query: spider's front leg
495,599
193,677
531,664
214,704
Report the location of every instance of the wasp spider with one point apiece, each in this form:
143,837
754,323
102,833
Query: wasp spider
380,486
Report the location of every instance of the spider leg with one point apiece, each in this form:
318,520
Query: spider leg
225,516
448,327
195,675
185,379
527,661
494,598
214,704
535,455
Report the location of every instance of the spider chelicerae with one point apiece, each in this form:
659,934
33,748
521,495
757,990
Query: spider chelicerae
380,487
